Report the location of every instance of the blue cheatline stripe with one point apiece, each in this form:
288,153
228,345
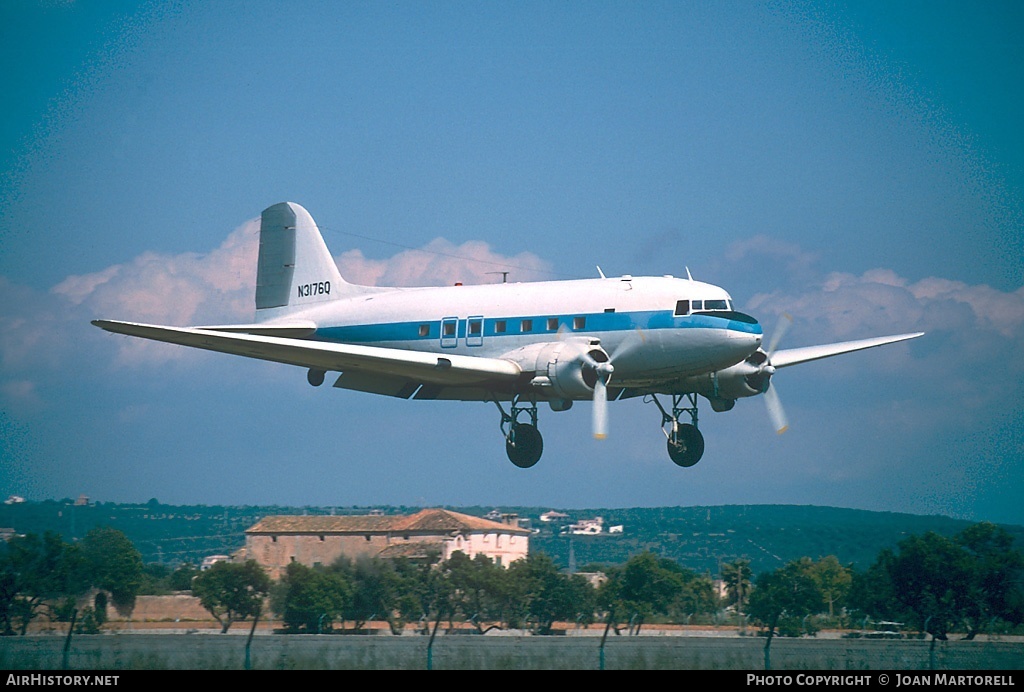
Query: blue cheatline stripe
513,326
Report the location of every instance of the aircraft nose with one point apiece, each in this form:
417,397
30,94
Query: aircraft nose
746,340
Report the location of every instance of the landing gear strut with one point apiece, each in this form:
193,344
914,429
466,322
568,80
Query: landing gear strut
685,442
523,441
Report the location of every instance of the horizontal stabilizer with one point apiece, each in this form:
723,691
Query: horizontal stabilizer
295,330
794,356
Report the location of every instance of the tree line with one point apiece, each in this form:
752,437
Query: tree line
970,583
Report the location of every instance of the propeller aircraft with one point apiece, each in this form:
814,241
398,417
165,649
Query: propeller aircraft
516,345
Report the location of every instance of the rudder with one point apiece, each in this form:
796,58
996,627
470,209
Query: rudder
295,268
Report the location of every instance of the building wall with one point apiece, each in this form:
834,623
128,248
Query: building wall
503,548
275,552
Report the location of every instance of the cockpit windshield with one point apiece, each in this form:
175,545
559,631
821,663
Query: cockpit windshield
688,307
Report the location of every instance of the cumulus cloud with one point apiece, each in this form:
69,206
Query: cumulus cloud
788,256
440,263
212,288
174,289
849,305
20,395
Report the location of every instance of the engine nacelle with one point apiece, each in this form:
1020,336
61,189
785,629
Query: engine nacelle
734,382
723,388
561,369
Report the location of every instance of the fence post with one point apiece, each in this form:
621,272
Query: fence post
67,640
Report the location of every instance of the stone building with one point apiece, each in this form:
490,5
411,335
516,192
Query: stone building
276,541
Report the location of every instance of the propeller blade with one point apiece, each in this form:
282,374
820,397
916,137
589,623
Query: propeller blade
600,410
784,323
775,411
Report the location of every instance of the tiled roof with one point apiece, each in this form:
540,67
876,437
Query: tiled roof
424,521
323,524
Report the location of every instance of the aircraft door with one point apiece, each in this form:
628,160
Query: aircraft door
449,332
475,331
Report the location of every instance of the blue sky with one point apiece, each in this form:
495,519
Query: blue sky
857,165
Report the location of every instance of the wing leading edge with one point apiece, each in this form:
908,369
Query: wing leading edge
446,370
795,356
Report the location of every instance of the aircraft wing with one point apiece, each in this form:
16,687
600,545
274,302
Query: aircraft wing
390,363
794,356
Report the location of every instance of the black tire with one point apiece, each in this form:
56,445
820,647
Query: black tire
527,447
686,447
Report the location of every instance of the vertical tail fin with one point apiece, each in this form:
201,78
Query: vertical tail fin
295,269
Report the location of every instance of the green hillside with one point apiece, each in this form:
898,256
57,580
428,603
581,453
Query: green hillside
700,538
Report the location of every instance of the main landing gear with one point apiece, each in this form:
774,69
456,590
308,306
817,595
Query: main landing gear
523,441
685,441
524,444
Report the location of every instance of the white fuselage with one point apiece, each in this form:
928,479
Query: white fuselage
658,330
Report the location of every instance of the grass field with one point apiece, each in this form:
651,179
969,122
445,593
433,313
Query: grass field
509,652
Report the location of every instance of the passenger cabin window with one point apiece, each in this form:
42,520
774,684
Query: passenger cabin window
499,326
424,330
449,329
579,322
526,326
475,326
682,307
552,324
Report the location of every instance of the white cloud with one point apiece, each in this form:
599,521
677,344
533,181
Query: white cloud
180,289
212,288
788,256
20,395
879,299
440,263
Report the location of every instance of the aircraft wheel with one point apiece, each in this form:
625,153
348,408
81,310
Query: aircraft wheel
686,446
524,445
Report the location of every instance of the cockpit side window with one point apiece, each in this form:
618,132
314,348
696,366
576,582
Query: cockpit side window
682,308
